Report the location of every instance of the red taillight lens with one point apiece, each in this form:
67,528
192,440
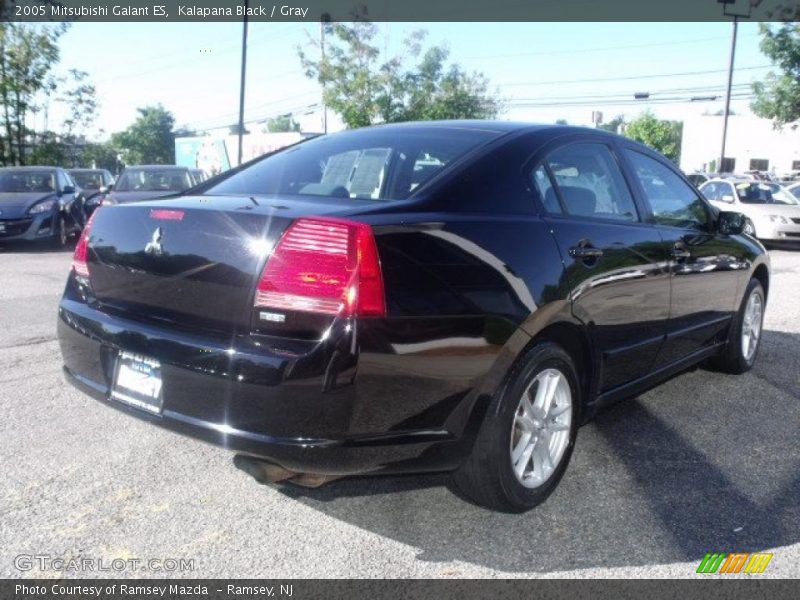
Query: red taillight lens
327,266
81,255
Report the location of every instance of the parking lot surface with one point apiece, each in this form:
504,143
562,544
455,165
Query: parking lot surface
706,462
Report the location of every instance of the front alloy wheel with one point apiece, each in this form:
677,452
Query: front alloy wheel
751,324
739,354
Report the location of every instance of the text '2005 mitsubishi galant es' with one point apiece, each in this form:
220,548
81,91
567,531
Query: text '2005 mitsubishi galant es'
446,296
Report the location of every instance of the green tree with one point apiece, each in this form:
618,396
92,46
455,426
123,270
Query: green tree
282,123
100,156
561,122
661,135
149,140
27,56
614,125
364,87
81,102
777,97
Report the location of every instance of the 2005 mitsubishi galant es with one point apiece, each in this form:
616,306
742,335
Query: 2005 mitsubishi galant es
448,296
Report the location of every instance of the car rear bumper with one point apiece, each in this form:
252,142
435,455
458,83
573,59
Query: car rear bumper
256,400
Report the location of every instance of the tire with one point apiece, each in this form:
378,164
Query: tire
488,476
60,237
737,357
749,228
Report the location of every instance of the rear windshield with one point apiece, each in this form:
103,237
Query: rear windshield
88,180
27,181
154,180
372,164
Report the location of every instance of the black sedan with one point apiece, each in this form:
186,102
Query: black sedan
39,203
145,182
95,183
454,296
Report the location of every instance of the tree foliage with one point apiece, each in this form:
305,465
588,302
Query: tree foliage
615,125
149,140
27,56
282,123
777,97
364,87
661,135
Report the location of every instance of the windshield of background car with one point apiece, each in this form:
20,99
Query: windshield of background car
27,181
89,181
372,164
763,193
154,180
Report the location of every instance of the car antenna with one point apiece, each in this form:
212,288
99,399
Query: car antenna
253,200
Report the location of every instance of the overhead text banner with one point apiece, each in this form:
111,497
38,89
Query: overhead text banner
404,10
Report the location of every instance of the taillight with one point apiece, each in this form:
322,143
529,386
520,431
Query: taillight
327,266
81,256
163,214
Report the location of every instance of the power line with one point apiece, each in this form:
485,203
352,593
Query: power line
628,78
629,102
628,95
597,49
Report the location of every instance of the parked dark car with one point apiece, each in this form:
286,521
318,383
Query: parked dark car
39,203
95,183
454,296
145,182
198,176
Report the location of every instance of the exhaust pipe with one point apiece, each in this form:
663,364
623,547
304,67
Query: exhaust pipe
266,472
261,471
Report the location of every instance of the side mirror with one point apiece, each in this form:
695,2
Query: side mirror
727,198
730,223
68,189
104,189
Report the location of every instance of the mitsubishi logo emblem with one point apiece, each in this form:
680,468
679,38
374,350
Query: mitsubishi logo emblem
154,246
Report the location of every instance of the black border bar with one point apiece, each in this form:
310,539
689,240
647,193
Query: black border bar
398,10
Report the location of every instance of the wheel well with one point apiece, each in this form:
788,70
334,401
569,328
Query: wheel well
575,342
762,274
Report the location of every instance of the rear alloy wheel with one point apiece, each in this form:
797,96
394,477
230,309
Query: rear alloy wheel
744,339
525,442
540,433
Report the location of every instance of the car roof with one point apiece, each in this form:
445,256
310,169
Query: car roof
159,167
84,170
31,168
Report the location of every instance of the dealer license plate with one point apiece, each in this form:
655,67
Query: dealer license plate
137,381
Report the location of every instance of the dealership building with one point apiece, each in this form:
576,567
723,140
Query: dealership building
752,143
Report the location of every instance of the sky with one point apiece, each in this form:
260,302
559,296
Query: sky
544,71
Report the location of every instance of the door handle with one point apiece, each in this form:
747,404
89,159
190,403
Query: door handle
585,252
680,253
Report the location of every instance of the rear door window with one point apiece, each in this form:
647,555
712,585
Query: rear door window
589,183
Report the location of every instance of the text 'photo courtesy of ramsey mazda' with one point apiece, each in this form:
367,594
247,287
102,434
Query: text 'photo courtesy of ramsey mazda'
445,296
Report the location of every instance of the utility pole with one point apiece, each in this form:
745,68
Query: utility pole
241,86
322,63
728,94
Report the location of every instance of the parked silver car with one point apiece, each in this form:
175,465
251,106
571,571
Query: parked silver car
772,211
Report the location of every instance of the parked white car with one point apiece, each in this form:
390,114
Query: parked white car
772,211
794,189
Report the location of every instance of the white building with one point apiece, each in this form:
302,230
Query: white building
752,143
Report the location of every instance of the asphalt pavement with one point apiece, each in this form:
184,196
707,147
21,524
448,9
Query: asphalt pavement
706,462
